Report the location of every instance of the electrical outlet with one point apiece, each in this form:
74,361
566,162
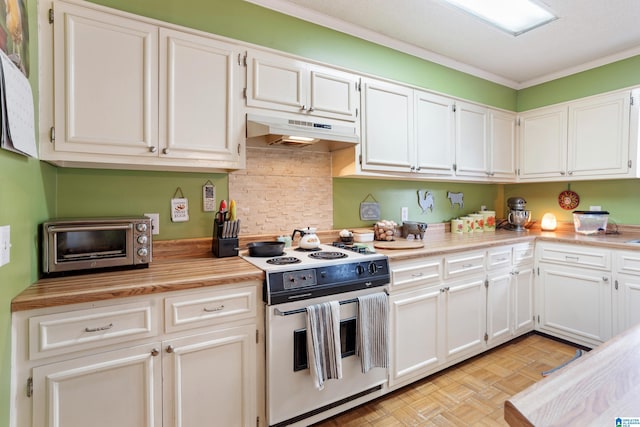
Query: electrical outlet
404,214
155,222
595,208
5,244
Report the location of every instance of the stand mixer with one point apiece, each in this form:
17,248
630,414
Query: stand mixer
518,217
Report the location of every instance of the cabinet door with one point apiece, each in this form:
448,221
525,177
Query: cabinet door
435,134
276,82
117,388
522,283
465,317
415,337
333,94
210,379
575,304
543,143
105,82
198,76
472,139
387,127
502,137
499,307
599,135
627,302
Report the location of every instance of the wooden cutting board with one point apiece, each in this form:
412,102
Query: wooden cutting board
399,244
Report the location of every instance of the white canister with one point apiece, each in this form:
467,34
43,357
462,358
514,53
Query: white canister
478,222
456,226
489,220
467,224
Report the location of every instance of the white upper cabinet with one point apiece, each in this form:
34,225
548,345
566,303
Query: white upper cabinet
472,140
129,93
106,79
435,134
196,100
502,150
582,139
277,82
387,127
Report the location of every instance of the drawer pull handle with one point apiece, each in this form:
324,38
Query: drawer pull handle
605,279
467,265
213,310
101,328
417,275
571,258
502,259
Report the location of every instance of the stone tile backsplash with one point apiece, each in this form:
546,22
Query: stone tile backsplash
283,189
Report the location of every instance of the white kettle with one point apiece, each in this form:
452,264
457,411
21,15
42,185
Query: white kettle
308,238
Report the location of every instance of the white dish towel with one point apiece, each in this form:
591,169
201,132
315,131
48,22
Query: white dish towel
372,331
323,342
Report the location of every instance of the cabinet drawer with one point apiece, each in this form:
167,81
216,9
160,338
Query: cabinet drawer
524,253
628,262
209,308
499,258
58,333
464,263
578,255
405,274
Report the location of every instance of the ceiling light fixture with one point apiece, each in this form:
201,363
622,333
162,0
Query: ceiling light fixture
513,16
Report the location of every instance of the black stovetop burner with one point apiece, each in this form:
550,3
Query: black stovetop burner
328,255
284,260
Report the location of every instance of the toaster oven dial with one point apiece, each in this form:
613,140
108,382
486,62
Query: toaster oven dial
142,239
143,252
141,226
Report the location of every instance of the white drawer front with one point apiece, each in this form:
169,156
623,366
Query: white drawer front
464,263
209,308
64,332
628,262
405,274
499,258
524,253
578,255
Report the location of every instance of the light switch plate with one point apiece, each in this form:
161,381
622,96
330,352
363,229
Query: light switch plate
5,244
404,213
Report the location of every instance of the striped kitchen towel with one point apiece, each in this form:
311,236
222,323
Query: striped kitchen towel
323,342
372,331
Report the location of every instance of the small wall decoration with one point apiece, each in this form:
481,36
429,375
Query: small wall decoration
568,199
425,200
369,211
455,199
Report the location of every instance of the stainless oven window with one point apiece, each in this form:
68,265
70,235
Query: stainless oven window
90,244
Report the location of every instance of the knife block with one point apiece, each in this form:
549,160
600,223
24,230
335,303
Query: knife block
223,247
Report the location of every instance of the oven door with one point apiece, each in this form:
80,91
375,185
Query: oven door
291,394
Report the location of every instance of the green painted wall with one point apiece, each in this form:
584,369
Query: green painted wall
393,195
96,192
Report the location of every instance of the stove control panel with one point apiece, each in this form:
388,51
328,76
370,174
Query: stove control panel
299,279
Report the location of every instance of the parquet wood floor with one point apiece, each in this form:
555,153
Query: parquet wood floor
471,393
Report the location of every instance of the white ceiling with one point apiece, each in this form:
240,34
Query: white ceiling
587,34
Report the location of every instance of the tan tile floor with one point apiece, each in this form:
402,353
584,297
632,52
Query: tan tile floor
471,393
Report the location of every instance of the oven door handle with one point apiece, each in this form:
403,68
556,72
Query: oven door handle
88,228
302,310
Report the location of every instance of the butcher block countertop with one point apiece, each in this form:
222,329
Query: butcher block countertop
188,264
593,390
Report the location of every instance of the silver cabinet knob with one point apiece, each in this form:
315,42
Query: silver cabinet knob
170,349
165,151
152,149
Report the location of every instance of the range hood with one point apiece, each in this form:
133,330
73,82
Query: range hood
283,131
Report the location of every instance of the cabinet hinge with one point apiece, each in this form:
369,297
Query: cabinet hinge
359,86
486,283
357,113
538,319
631,99
51,16
257,421
52,134
244,93
453,108
616,284
455,167
257,336
29,387
486,337
239,148
538,269
360,159
244,59
630,163
518,172
518,122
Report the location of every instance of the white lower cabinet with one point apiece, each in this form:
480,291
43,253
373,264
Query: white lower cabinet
206,374
465,317
626,297
114,388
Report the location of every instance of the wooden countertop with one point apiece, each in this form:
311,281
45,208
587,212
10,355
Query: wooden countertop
594,390
188,264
